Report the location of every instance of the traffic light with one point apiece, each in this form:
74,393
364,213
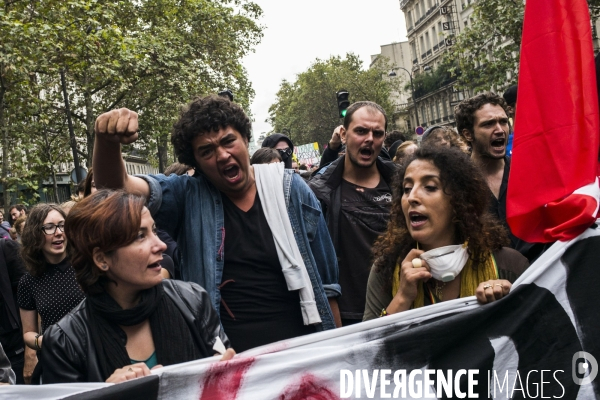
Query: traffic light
342,102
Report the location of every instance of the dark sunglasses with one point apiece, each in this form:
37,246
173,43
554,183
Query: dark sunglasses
287,151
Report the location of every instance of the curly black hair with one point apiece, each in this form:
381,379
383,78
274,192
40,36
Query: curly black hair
464,112
204,115
469,198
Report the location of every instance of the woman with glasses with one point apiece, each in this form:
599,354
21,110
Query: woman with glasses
49,287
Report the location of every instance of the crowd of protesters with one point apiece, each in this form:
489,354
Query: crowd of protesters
225,252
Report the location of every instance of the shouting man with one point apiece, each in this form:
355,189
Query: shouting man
268,285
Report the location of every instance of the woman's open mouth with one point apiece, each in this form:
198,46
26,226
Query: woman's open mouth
57,244
155,265
416,219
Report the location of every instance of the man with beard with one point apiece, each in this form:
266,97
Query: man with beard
271,275
483,122
355,196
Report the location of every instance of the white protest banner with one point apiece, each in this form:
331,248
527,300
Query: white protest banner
540,341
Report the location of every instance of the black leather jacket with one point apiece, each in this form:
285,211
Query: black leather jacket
68,352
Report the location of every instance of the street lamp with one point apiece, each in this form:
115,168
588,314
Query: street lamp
412,87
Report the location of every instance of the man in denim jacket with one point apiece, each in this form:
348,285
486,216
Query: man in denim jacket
212,134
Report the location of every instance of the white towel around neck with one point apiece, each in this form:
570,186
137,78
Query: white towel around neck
269,186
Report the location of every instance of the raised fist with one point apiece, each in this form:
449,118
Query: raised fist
117,126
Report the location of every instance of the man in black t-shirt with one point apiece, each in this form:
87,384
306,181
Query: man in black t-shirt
356,199
271,275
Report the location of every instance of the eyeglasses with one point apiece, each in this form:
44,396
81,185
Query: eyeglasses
50,229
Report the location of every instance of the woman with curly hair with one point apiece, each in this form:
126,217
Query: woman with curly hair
49,287
441,243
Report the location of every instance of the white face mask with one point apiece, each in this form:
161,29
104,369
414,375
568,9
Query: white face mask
446,262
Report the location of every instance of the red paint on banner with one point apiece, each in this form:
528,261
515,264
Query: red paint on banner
274,348
308,387
223,379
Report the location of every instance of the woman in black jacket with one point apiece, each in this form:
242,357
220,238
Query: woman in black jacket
131,320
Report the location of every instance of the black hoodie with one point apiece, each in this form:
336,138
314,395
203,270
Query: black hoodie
272,140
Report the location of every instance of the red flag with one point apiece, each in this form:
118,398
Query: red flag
556,125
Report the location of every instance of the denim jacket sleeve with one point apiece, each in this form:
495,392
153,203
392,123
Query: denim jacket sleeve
166,201
320,242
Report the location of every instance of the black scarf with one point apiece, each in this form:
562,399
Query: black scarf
173,341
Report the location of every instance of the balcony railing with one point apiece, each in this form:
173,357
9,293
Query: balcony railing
424,17
403,107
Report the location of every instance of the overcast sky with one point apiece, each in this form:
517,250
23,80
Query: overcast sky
298,32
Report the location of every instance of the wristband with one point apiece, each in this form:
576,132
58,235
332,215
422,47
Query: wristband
383,313
36,343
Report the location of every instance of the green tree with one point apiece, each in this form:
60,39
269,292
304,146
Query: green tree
429,81
151,56
20,55
307,108
486,54
172,51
